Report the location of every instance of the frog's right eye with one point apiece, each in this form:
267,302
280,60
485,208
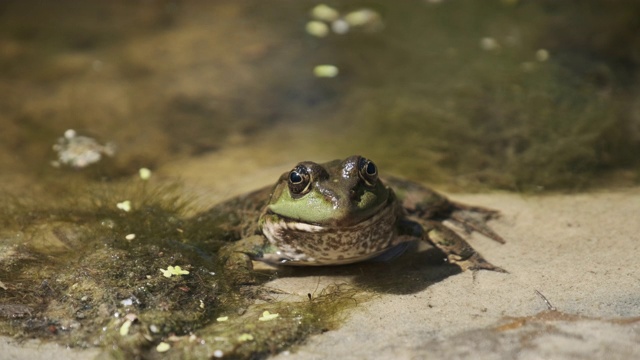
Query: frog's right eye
299,180
368,171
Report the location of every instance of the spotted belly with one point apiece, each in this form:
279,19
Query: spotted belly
298,243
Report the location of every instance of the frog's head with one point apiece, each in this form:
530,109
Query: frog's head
336,194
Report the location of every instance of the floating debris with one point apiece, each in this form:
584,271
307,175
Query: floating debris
340,26
325,13
145,173
171,270
267,316
542,55
327,71
245,337
367,19
129,319
124,205
222,318
124,329
218,354
163,347
80,151
130,237
489,44
317,28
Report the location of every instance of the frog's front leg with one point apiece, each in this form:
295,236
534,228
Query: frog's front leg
455,247
237,257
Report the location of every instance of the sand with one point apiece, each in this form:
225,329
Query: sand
579,251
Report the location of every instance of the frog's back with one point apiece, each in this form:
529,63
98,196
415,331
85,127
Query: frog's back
238,216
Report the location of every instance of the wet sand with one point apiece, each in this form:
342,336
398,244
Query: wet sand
579,251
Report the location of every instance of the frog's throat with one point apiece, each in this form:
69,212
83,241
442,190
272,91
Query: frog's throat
299,243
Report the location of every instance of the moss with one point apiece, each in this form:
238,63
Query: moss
295,321
76,277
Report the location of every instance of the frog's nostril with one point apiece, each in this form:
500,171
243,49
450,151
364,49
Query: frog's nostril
353,194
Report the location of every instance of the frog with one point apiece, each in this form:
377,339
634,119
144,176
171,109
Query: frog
342,212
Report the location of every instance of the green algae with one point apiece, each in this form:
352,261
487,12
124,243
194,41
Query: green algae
246,336
71,275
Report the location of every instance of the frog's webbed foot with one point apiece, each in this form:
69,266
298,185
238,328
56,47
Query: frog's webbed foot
237,257
238,269
474,218
457,250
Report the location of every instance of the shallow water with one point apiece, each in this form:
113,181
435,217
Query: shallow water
516,95
506,94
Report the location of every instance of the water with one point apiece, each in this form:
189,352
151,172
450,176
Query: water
515,95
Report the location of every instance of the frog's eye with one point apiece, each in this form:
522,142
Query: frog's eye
368,171
299,180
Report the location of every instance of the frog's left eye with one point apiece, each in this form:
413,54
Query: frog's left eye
299,180
368,171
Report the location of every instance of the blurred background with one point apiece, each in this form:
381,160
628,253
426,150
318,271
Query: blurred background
497,94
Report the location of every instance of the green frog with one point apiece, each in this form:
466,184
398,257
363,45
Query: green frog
342,212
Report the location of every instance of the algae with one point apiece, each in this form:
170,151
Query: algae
70,274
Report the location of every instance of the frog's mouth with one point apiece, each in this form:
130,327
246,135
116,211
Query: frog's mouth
299,243
352,217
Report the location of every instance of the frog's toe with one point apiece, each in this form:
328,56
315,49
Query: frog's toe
476,262
488,266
